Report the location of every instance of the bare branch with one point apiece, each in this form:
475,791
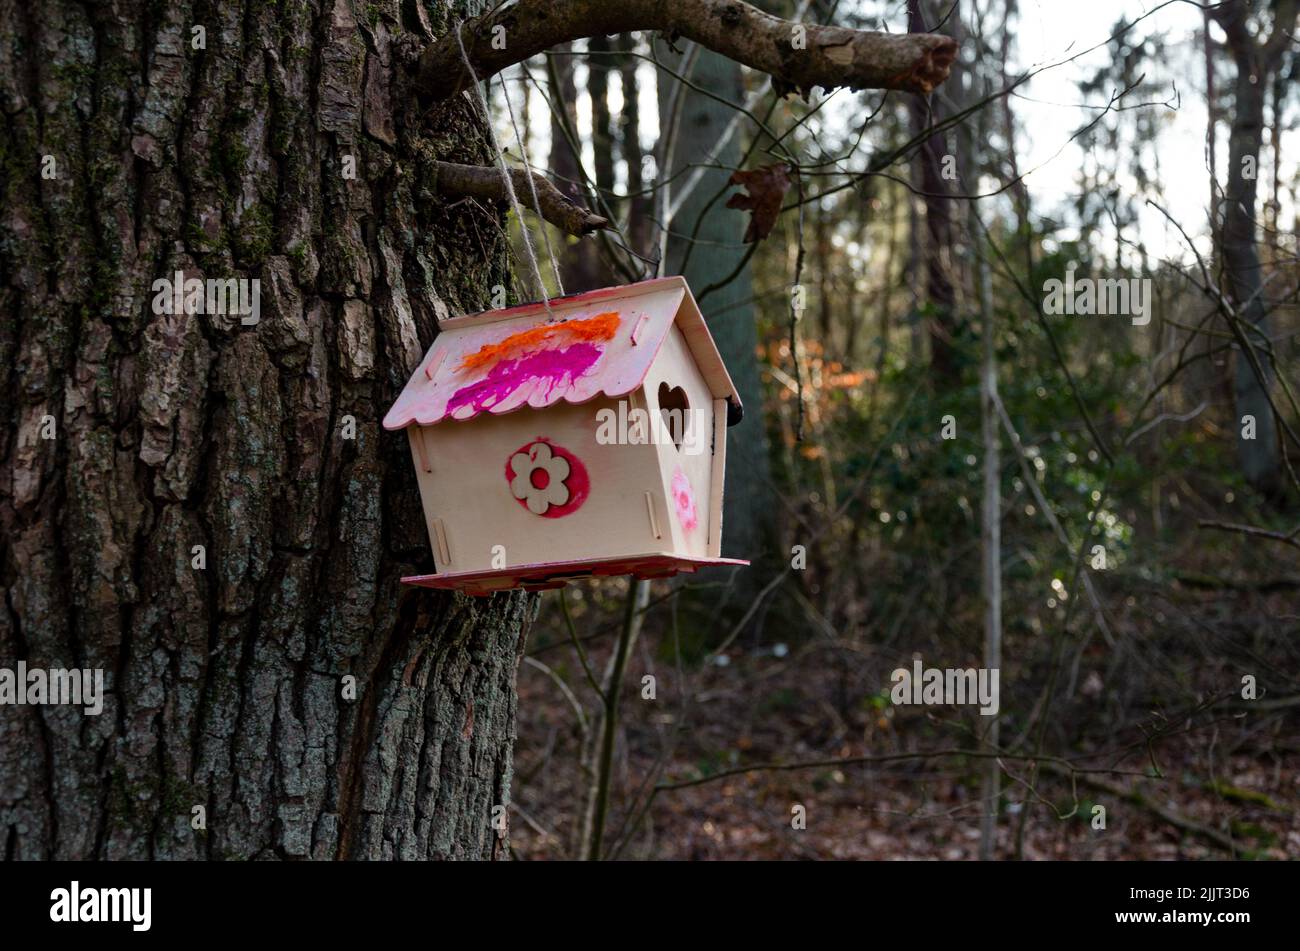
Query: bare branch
797,56
485,181
1292,539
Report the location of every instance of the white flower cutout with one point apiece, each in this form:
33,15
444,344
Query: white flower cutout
539,478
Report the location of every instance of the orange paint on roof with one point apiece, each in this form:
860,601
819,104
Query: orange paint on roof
601,327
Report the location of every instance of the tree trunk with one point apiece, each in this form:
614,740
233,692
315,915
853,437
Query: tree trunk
637,212
1211,127
825,313
990,552
714,252
226,666
599,64
938,241
1255,62
578,265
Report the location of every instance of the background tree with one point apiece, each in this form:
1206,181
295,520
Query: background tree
1257,57
579,266
704,243
936,240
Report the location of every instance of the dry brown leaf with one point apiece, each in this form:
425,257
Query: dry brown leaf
766,189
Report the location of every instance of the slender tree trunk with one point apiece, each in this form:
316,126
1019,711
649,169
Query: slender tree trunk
219,522
825,312
912,273
599,64
990,552
525,88
599,755
1278,106
629,141
938,240
972,142
1219,365
577,264
1211,127
1258,457
886,302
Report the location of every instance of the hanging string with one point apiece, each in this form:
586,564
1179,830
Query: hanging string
505,175
532,186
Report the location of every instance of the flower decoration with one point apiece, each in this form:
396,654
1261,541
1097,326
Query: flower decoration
539,478
547,479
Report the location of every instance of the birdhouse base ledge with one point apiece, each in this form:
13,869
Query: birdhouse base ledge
557,574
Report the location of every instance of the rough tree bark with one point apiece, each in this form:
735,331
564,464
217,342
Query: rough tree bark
224,683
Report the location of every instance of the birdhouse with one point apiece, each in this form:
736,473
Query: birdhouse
587,437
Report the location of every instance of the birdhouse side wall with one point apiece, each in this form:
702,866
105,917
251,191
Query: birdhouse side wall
535,487
717,478
675,379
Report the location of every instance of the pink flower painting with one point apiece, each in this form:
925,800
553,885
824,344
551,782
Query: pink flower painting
684,501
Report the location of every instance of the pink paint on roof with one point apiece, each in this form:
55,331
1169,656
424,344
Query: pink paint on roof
475,366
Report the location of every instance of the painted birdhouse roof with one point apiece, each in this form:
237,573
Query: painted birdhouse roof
599,342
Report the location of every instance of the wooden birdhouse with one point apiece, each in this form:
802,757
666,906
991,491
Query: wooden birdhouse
589,439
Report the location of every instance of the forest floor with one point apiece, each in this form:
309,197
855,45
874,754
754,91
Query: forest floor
1228,780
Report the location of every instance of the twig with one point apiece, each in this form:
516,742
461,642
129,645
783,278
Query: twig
485,182
1045,507
1289,539
564,689
1167,417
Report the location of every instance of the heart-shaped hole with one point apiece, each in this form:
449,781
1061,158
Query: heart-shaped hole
674,410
